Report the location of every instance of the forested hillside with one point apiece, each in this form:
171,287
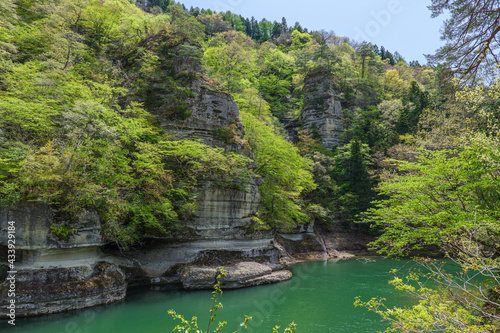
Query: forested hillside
86,86
82,81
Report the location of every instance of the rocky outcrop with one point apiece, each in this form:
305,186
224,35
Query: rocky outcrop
214,119
56,274
300,243
243,274
225,213
50,290
33,221
161,262
322,113
342,241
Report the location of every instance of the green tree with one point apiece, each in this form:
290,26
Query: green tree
163,4
286,174
355,186
214,23
447,199
416,101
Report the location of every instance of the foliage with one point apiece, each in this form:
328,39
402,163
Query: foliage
286,174
350,172
447,199
72,133
455,306
62,231
194,161
436,198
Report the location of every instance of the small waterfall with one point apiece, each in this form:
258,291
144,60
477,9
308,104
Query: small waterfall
320,239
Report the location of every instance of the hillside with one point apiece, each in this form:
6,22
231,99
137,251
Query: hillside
130,130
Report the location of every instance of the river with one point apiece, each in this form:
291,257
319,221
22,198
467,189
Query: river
319,298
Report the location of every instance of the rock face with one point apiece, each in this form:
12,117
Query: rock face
54,274
243,274
224,213
300,243
214,119
33,221
160,262
322,113
50,290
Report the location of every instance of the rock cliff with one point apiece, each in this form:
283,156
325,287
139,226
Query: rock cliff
214,119
80,271
322,113
55,274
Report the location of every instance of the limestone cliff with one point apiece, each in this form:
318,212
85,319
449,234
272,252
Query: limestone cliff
322,113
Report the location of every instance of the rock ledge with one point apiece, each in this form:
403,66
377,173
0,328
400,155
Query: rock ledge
240,275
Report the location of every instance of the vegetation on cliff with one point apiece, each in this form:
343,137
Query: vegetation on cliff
74,130
84,83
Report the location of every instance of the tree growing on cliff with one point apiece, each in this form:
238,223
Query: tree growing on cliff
287,175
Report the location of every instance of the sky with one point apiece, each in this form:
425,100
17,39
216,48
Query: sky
405,26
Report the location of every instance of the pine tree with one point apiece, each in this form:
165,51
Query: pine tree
355,183
298,27
382,52
284,24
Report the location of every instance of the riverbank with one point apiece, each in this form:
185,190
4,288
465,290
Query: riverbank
81,272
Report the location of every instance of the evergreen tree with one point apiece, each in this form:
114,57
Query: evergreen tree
353,179
163,4
388,55
248,27
382,53
471,36
277,29
255,34
415,102
365,51
284,24
298,27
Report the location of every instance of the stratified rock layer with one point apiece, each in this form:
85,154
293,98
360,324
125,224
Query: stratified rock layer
243,274
224,213
33,220
53,274
50,290
322,113
214,119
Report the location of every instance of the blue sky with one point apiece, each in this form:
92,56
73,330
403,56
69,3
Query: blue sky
405,26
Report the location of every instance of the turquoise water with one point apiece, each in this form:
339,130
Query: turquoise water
319,299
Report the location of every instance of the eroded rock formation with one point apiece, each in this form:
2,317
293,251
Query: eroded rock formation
214,119
53,274
322,113
79,274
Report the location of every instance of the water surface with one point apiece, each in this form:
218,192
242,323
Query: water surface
319,299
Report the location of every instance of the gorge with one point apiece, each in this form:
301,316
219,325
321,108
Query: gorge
145,145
